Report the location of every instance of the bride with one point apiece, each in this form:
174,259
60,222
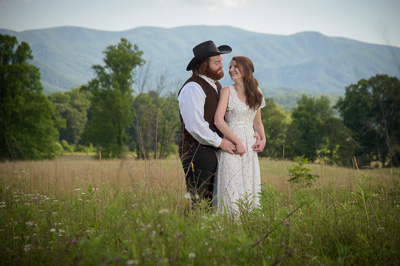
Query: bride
238,116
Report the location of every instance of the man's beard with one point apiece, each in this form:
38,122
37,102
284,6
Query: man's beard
214,74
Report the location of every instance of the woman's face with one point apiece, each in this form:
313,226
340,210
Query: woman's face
234,71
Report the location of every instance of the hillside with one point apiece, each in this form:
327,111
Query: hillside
306,62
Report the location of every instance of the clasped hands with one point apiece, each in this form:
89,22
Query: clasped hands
231,148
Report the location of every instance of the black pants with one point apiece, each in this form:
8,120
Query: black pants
200,165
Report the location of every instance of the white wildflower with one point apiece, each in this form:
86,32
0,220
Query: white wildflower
28,248
163,211
192,255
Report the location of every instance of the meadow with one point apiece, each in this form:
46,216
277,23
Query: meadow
75,210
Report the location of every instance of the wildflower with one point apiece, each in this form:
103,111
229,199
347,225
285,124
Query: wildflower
163,211
178,235
32,224
53,230
77,189
74,241
116,259
130,262
282,244
287,223
2,204
187,196
28,248
196,196
192,255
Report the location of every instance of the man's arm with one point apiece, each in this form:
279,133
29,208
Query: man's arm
191,105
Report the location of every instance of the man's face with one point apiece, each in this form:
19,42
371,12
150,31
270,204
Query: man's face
214,68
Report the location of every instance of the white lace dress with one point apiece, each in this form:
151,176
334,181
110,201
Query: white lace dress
238,177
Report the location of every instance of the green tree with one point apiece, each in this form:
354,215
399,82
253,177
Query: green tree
306,134
370,109
275,122
28,120
144,126
111,98
73,107
168,125
156,124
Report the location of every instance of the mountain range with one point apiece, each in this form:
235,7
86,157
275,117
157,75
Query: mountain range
306,62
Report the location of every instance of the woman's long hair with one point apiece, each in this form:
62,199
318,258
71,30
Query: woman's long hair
253,95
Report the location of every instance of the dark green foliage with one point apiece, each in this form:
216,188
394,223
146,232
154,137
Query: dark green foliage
73,107
156,124
29,122
306,133
275,122
111,98
371,111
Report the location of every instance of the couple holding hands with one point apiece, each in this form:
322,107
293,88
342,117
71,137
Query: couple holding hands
221,129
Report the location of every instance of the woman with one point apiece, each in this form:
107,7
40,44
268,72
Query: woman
238,115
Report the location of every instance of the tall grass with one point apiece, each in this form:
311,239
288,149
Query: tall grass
75,210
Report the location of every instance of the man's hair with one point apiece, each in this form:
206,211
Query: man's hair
201,67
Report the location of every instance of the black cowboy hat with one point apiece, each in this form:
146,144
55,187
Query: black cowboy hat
205,50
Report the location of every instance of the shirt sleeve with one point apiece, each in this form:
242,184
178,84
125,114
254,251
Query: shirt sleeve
191,105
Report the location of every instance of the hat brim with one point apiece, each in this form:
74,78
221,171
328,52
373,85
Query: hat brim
223,49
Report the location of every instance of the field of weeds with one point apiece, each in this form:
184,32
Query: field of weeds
76,210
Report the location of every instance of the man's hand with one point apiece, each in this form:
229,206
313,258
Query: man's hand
240,149
227,146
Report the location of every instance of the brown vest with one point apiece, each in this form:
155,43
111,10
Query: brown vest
210,107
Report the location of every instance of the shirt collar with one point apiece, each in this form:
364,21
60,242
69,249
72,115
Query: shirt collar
209,80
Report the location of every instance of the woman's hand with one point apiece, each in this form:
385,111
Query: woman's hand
259,145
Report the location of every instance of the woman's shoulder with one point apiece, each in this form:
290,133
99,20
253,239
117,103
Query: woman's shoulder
226,89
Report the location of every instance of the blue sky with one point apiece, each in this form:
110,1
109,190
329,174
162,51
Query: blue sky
372,21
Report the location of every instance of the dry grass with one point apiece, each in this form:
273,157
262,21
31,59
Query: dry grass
55,177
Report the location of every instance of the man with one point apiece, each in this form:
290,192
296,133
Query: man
200,139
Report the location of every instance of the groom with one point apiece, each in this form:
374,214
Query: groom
200,139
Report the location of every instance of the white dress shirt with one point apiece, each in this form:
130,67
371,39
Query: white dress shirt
191,105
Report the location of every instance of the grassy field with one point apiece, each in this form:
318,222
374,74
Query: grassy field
79,211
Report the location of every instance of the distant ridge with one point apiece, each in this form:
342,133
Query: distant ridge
306,62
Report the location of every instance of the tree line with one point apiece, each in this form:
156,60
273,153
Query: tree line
109,117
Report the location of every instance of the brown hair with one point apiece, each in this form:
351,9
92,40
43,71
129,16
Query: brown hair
201,67
253,95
